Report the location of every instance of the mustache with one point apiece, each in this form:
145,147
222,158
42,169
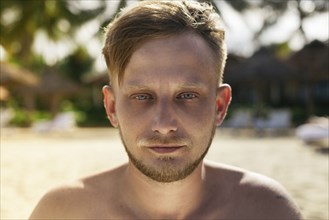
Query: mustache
160,140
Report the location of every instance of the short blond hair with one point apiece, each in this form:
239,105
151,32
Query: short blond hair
158,19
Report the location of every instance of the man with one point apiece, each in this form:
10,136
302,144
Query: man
166,97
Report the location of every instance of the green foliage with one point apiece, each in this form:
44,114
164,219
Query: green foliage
69,106
95,117
299,115
41,115
21,118
76,64
20,20
240,5
86,113
24,118
282,50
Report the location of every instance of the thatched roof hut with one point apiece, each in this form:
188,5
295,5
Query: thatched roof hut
54,88
259,78
263,66
101,78
20,82
13,75
52,83
233,69
311,62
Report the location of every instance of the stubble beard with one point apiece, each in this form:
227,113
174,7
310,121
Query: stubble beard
168,173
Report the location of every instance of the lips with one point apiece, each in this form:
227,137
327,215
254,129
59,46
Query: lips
165,149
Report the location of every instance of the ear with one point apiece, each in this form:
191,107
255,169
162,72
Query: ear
109,104
223,100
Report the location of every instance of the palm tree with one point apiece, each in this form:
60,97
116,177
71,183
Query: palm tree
20,21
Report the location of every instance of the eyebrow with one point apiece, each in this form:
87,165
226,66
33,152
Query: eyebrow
193,85
137,86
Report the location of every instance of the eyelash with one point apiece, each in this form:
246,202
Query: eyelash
145,97
194,95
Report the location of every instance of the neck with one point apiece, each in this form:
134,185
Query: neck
164,200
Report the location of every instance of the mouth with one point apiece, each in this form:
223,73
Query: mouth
165,149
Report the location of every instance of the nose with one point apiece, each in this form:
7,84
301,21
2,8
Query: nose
164,121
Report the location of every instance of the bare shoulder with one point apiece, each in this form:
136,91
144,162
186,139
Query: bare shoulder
252,195
60,202
269,198
81,199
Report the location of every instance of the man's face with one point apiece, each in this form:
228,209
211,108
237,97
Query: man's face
167,106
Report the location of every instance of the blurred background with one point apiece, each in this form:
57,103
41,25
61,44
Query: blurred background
52,72
51,59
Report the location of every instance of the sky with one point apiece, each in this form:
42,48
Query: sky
239,33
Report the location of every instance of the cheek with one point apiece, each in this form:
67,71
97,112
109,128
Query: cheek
131,118
199,116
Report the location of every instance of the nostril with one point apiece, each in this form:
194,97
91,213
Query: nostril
164,124
164,129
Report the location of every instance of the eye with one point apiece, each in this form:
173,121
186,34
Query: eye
187,95
142,97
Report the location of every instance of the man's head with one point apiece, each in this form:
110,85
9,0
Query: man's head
165,97
159,19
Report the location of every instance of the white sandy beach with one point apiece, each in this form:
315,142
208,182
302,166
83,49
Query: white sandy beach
31,163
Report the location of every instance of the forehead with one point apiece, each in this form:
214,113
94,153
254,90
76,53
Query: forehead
184,58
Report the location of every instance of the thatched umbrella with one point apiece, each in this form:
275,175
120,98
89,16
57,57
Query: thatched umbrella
13,75
54,88
53,83
20,82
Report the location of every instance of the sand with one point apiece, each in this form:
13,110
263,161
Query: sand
32,163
